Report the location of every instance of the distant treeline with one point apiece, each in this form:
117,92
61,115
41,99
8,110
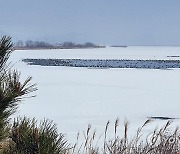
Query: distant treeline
44,45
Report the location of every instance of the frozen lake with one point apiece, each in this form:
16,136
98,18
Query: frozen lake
76,97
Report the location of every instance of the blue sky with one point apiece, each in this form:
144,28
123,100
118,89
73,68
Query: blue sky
110,22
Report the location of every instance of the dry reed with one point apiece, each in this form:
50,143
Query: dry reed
160,141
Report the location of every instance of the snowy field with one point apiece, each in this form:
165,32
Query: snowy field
76,97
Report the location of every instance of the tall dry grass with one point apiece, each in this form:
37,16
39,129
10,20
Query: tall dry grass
159,141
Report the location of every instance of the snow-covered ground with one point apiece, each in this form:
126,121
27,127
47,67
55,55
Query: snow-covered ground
76,97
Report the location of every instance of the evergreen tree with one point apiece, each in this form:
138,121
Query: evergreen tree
24,136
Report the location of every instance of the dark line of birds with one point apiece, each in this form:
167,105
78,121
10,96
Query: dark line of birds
113,63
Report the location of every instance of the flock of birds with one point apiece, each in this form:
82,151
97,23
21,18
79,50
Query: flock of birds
108,63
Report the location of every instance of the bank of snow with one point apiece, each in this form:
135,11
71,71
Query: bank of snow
75,97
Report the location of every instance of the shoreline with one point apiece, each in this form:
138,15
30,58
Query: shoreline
49,48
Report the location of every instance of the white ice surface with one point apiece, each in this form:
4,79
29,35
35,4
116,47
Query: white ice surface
76,97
